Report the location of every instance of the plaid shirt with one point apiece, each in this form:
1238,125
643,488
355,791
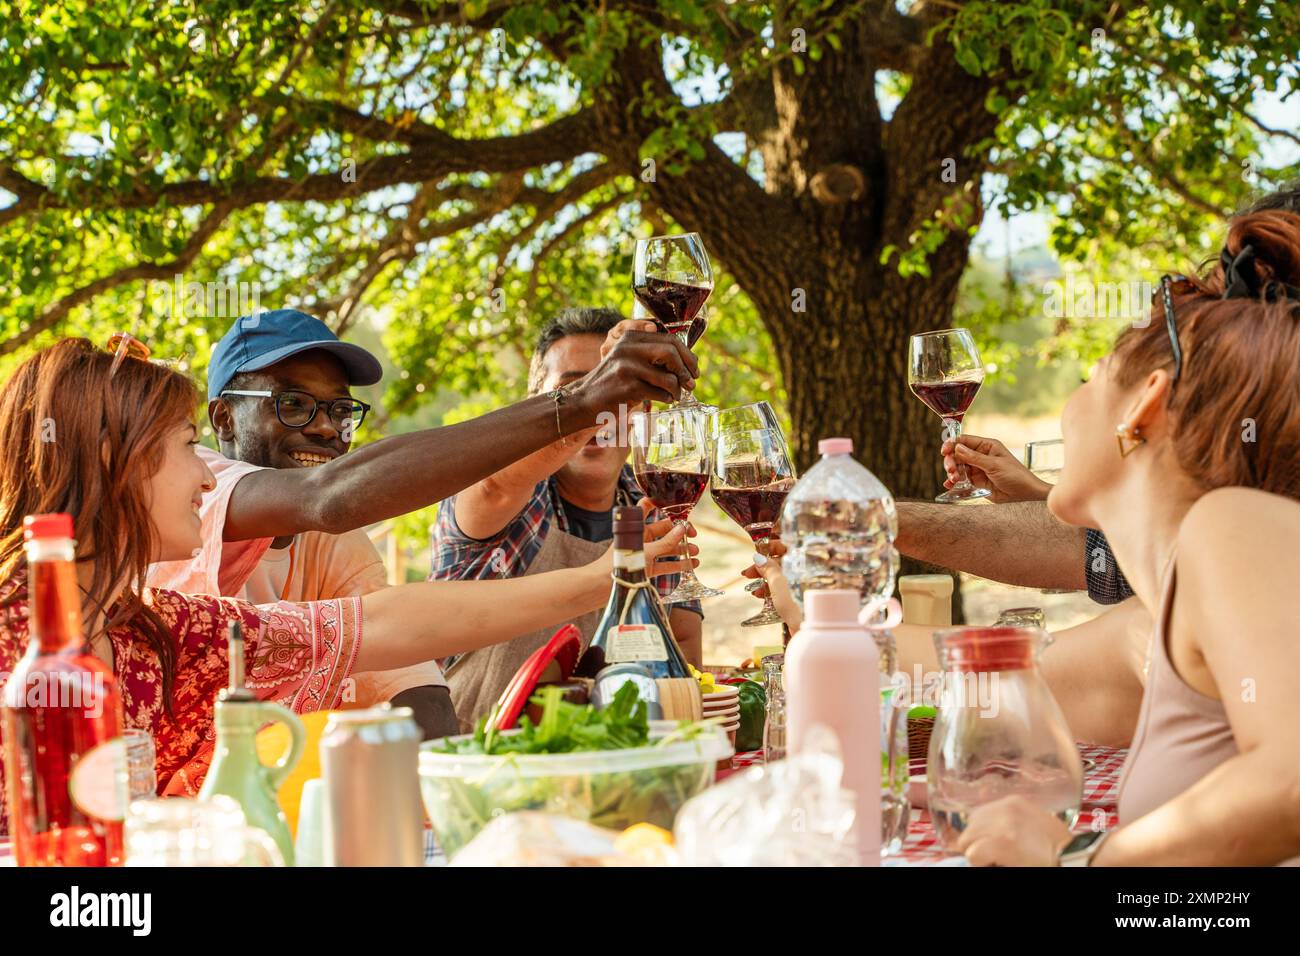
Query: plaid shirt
509,552
1106,582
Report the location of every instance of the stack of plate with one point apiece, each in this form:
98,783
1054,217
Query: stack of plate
723,705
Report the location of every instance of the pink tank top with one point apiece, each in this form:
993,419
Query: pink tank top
1181,735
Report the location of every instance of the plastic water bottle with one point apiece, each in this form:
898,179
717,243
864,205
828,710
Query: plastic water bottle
839,524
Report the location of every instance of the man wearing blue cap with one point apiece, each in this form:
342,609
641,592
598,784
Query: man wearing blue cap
284,521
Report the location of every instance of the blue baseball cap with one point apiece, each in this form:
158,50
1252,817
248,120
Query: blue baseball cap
257,341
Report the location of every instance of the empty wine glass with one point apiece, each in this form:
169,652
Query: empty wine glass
1046,458
671,279
751,475
945,372
670,459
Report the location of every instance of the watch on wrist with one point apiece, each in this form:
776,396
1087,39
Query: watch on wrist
1080,850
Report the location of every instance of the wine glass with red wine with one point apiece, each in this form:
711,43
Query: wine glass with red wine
944,371
701,322
670,458
671,279
752,473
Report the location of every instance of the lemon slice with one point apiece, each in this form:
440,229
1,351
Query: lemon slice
645,843
99,784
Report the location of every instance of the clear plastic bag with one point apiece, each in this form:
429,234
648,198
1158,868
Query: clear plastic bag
789,813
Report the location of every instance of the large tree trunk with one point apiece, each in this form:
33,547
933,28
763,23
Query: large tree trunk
840,186
844,363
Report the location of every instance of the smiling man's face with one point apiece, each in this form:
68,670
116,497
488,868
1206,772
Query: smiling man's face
250,431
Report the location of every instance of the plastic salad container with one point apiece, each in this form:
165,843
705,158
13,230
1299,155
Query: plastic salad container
608,788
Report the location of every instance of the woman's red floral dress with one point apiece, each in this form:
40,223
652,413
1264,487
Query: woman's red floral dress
298,655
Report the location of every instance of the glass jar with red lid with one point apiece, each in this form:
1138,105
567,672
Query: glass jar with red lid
999,731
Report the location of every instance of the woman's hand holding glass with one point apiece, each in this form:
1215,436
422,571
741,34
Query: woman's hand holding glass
1013,831
767,569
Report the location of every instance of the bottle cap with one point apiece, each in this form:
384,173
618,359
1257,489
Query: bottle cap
47,526
629,529
835,446
834,607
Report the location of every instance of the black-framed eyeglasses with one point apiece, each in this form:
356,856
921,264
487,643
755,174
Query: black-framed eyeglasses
1169,286
298,409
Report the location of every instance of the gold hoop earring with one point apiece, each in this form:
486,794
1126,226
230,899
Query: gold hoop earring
1126,441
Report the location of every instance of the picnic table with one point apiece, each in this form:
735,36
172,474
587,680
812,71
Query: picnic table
1097,812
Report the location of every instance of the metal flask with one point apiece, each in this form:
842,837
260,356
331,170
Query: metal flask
369,764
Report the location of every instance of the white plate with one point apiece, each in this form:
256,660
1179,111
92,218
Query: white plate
721,711
723,694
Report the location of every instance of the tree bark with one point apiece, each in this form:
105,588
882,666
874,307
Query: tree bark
839,318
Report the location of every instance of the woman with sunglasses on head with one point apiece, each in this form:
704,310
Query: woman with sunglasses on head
122,463
1184,449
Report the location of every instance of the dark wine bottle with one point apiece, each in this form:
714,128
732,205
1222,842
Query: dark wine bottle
634,627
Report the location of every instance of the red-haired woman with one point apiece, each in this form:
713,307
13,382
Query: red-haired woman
1184,449
112,445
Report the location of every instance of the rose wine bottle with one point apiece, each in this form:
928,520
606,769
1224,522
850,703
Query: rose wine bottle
65,760
634,627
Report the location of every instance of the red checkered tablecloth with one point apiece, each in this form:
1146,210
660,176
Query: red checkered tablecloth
1100,791
1102,766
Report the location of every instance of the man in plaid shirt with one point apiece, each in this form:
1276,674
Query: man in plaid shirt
503,526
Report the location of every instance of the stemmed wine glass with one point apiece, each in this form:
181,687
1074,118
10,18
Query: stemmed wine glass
751,475
944,371
701,322
670,458
671,279
1045,458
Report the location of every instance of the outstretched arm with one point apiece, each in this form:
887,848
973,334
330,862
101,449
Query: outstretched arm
407,472
1017,543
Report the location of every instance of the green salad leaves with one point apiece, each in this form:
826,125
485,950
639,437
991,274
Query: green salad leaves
570,728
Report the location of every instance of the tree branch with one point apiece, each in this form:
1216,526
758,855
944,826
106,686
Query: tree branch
30,195
434,154
577,225
1166,176
402,243
57,310
550,203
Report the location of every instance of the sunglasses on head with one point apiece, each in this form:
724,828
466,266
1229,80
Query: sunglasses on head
124,345
1171,285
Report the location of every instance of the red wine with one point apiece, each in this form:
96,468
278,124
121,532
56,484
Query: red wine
674,493
698,325
754,509
634,627
947,399
672,304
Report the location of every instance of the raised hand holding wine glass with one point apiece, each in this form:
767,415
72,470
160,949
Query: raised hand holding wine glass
752,473
945,372
671,278
670,459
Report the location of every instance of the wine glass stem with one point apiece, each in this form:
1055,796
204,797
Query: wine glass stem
952,432
763,547
688,398
688,573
